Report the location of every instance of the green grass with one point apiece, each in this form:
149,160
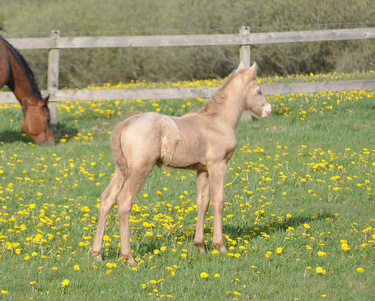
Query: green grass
299,188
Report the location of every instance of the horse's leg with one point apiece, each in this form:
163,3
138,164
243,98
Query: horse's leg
125,203
203,199
217,173
107,201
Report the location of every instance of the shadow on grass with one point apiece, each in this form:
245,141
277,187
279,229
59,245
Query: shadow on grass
233,231
14,137
20,137
271,227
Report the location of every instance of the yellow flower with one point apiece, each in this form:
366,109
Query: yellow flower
345,247
320,270
307,226
203,275
111,265
279,250
76,267
322,254
217,275
65,282
361,270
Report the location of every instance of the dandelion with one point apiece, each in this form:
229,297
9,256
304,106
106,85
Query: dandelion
217,275
361,270
279,250
345,247
306,226
320,270
76,267
322,254
65,282
111,265
203,275
4,292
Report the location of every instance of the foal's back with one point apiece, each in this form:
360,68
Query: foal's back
179,142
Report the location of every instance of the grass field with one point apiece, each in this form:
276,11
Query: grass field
299,216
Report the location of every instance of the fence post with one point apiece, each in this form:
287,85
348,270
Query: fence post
53,76
245,57
245,49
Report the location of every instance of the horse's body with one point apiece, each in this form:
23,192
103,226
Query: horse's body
203,141
17,75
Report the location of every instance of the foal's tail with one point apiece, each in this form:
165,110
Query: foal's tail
118,155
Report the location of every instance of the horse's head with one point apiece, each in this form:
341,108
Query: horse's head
255,102
36,121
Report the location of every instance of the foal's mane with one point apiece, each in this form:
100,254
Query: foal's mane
22,62
211,106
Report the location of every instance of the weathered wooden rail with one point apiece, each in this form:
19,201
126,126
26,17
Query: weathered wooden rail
244,39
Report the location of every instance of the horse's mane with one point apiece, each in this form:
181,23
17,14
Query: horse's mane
210,107
22,62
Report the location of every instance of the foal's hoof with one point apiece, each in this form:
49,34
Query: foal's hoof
129,260
200,248
98,257
222,249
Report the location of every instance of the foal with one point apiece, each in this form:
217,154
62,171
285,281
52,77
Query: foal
203,141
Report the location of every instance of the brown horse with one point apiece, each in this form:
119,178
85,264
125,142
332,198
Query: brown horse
17,75
203,141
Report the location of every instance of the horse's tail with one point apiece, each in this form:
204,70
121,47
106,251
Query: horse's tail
118,155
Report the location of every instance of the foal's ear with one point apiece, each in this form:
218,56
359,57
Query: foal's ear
241,66
251,73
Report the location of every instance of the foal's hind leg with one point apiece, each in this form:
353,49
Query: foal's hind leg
107,202
125,202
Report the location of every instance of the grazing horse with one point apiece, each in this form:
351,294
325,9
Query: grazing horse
203,140
17,75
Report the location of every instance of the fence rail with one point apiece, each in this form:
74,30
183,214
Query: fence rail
244,39
176,93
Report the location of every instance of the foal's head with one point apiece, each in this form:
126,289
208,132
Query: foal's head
255,102
36,121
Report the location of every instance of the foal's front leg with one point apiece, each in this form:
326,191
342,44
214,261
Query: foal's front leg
203,199
217,173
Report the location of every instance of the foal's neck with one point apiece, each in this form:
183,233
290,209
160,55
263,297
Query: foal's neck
232,107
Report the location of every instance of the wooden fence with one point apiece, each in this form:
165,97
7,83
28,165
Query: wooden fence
244,39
